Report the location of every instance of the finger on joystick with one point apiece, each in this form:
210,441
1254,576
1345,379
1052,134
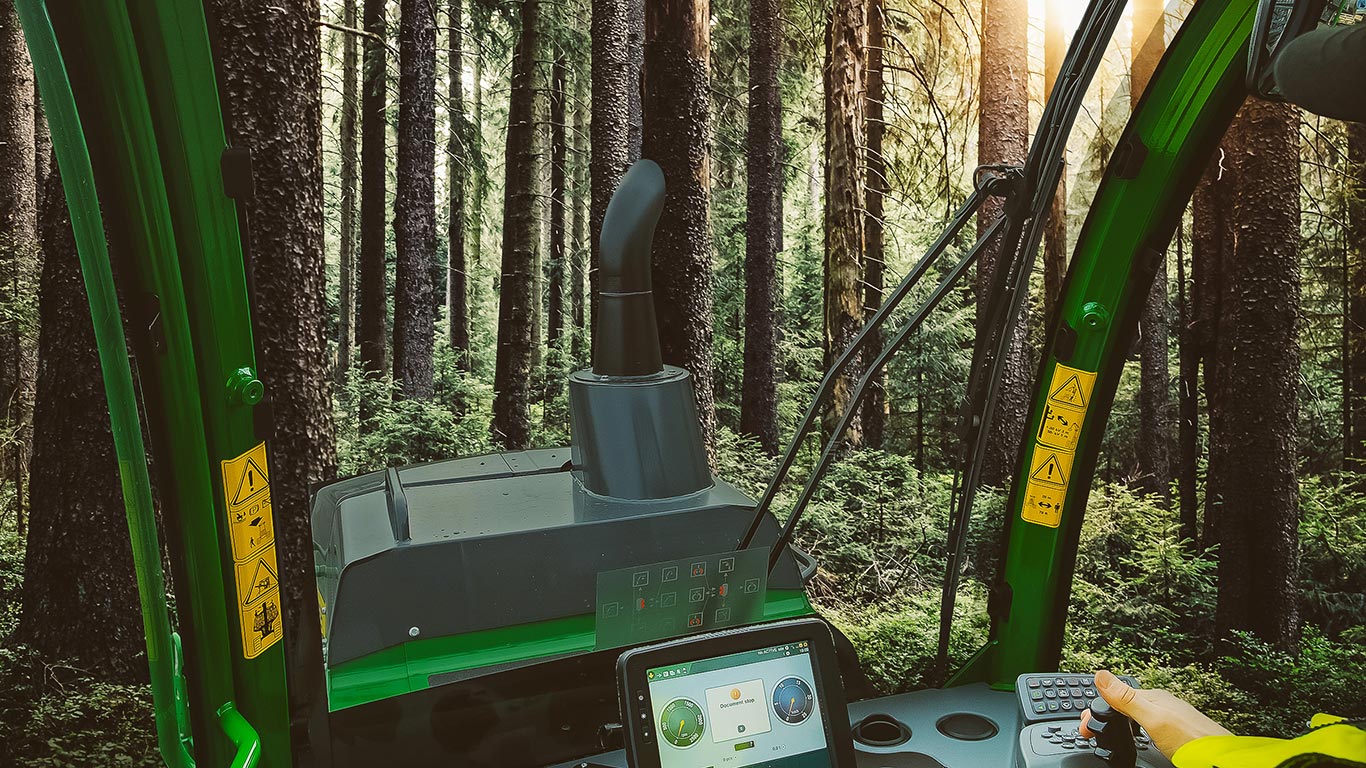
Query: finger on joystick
1114,733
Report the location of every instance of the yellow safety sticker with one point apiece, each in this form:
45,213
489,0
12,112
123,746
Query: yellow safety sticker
1043,504
1050,465
1071,387
1060,427
246,486
261,627
251,528
256,577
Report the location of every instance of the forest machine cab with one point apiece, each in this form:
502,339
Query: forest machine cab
475,612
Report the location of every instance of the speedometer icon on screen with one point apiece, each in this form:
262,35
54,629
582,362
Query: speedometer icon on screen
792,700
681,723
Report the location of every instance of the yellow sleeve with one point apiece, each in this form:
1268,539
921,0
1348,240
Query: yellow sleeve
1331,738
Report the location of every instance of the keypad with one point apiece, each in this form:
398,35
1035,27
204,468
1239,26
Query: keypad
1057,697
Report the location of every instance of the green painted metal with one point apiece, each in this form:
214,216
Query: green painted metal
73,160
242,735
1186,109
180,82
407,668
144,79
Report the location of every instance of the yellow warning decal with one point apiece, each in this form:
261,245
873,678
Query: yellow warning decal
1050,467
261,626
251,528
1043,504
1071,387
1059,432
1060,427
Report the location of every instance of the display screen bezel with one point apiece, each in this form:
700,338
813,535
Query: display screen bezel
638,706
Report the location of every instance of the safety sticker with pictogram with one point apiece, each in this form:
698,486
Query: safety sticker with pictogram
251,530
1050,467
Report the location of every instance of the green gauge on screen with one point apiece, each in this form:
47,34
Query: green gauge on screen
681,723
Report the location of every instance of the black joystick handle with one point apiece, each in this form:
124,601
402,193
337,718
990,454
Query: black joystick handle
1114,735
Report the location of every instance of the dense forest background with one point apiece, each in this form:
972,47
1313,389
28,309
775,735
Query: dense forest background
431,178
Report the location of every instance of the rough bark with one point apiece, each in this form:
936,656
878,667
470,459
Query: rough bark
1188,403
1003,137
347,252
554,327
635,93
457,175
1258,354
1211,254
875,406
614,79
1154,395
415,201
80,600
269,57
521,239
578,252
763,228
42,151
1055,227
846,199
1355,426
372,292
18,254
677,133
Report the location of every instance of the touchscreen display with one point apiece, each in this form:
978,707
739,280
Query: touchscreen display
757,708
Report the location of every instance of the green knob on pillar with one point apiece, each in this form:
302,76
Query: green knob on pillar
244,388
1094,315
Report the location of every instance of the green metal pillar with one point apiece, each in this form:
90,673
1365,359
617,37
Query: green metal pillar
1188,105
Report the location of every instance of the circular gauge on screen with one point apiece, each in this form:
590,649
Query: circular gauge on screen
681,723
792,700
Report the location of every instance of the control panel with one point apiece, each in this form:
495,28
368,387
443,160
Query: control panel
1057,696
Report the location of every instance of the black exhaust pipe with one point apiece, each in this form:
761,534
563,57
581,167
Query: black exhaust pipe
634,419
626,339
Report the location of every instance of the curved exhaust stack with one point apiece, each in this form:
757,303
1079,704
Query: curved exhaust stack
634,419
626,340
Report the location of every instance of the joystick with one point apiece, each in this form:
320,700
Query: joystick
1114,734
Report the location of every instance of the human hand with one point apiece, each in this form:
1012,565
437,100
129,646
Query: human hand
1170,722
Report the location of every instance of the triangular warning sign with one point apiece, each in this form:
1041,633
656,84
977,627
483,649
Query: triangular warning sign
251,482
1070,393
1050,472
262,581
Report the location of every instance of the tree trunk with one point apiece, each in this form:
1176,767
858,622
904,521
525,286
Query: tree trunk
635,92
42,151
763,228
555,304
372,291
1003,137
578,252
269,59
875,264
1260,357
677,133
521,238
1211,256
415,201
347,258
1055,228
846,199
1154,397
457,172
614,79
80,600
1356,304
1188,399
18,254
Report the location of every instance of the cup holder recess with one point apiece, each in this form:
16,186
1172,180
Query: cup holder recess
967,726
879,730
